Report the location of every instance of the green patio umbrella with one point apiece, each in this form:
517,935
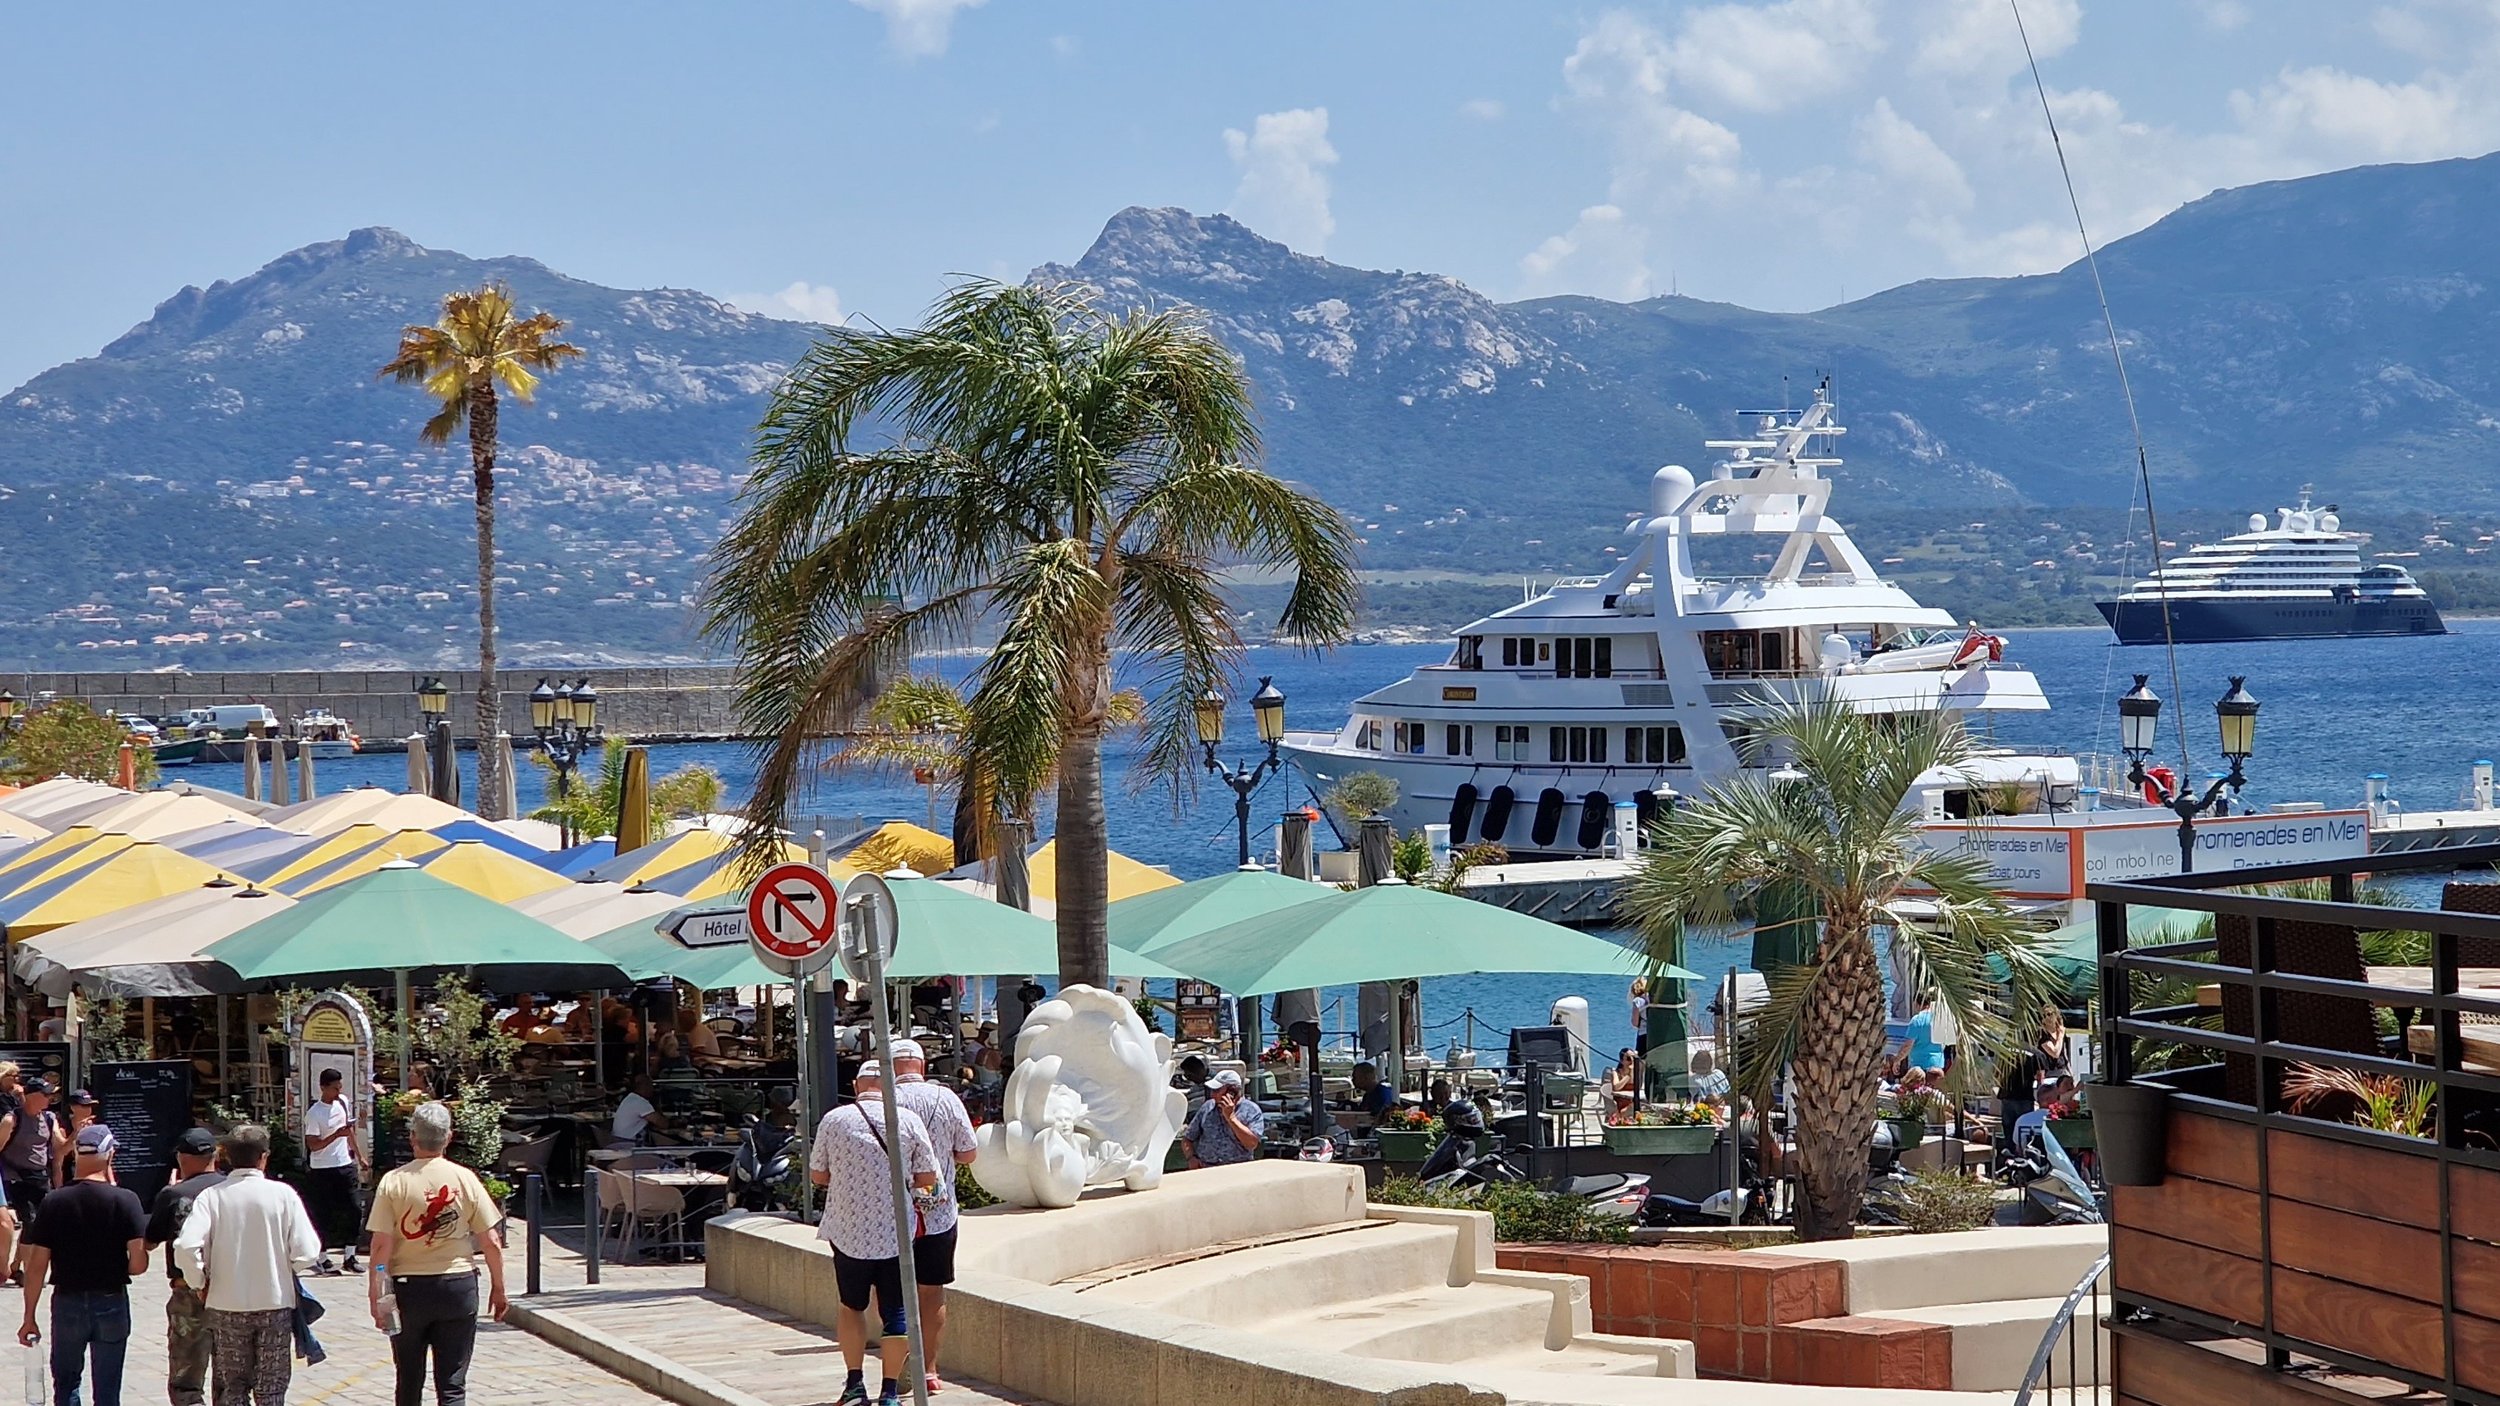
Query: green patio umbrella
1387,933
2073,952
951,931
400,921
646,953
1150,922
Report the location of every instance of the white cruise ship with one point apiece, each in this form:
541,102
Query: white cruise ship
2298,579
1634,685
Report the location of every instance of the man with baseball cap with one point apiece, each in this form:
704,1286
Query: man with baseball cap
950,1134
31,1140
850,1161
186,1315
93,1237
1228,1126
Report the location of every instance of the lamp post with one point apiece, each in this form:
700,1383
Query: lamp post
1268,707
2139,725
566,719
443,765
11,708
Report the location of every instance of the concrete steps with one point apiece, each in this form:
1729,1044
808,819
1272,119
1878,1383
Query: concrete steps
1293,1276
1972,1266
1993,1341
1442,1325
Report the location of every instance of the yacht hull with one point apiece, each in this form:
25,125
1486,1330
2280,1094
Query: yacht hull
2217,622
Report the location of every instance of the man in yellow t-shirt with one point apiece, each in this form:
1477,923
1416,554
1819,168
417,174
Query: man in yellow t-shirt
427,1218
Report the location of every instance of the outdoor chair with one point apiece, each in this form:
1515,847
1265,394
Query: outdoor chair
726,1025
630,1205
530,1158
2340,1023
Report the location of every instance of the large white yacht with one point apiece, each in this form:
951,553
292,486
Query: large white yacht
2298,578
1635,685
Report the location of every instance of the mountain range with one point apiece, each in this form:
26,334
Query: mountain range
229,481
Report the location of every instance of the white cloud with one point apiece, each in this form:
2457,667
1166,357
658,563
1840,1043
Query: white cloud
1283,192
1978,38
808,302
2345,117
2222,16
918,28
1483,109
1767,58
1064,46
1602,254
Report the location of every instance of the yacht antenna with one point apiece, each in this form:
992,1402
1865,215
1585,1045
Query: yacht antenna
2143,465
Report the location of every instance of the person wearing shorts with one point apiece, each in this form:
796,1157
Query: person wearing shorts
851,1163
933,1249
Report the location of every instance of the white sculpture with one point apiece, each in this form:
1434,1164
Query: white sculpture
1089,1103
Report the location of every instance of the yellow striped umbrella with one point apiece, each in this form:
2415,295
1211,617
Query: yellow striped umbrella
474,865
64,851
899,844
131,875
352,841
1128,877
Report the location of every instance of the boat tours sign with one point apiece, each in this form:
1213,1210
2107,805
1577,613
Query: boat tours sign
2054,858
332,1031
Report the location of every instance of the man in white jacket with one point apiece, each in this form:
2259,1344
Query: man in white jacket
243,1243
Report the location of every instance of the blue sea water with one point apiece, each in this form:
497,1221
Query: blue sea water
2334,710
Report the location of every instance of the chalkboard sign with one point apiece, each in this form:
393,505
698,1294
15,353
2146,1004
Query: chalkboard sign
49,1058
147,1104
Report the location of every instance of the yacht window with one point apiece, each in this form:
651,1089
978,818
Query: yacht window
1605,646
1544,650
1580,664
1597,742
1510,652
1461,739
1773,651
1558,744
1368,736
1654,746
1510,744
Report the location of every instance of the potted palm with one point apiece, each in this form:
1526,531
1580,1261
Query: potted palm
1821,807
1664,1130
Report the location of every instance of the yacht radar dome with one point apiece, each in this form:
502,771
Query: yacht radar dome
1669,487
2256,522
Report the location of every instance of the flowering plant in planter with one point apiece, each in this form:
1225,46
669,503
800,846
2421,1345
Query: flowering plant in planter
1406,1118
1697,1114
1281,1052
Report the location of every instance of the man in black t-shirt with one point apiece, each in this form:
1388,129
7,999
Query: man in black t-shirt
93,1237
186,1316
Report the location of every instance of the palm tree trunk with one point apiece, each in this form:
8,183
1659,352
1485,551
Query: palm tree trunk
1839,1069
492,759
1083,861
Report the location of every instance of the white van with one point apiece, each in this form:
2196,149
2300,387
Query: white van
233,719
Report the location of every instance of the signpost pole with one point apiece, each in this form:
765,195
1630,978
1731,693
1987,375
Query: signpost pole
809,1114
869,945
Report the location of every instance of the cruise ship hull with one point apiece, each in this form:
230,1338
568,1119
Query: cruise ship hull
2217,622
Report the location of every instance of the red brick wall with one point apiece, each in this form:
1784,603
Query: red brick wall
1755,1316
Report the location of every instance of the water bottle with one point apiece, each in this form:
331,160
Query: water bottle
390,1313
38,1377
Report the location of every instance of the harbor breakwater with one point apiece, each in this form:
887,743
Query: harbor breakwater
675,703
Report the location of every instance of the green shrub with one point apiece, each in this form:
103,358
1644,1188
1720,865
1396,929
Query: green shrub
1935,1201
971,1195
1520,1213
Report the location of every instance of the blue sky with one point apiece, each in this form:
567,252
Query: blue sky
834,157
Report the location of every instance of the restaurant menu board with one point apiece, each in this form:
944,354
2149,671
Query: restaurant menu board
147,1104
49,1058
1198,1004
332,1031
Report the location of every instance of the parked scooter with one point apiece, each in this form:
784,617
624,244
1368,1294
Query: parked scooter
757,1173
1455,1167
2054,1189
1747,1203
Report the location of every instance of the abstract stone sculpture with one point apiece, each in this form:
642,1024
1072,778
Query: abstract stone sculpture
1089,1103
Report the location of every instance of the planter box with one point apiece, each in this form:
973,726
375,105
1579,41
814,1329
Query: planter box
2073,1134
1907,1133
1637,1141
1404,1145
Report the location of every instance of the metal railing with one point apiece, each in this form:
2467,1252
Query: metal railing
2079,1384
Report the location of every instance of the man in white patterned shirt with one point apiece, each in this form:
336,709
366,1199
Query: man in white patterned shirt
850,1162
950,1133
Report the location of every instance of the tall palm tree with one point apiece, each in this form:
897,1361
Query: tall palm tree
478,350
918,726
1028,464
1831,823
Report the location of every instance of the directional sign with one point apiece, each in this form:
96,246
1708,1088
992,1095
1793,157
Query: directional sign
869,904
706,927
791,918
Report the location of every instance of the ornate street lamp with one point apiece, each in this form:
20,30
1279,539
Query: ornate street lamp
442,763
566,719
1268,707
2139,725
